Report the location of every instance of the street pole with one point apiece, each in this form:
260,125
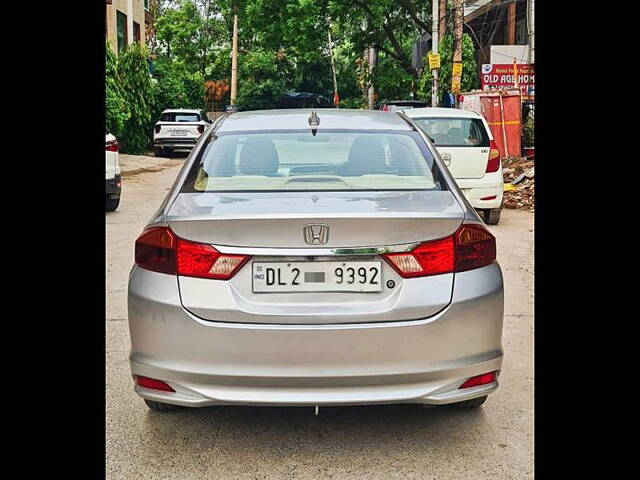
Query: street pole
372,64
333,69
234,61
457,40
530,10
434,49
443,18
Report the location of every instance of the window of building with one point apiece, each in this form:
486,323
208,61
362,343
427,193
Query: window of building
136,32
122,31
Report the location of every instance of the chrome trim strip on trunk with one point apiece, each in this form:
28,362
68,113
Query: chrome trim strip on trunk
315,252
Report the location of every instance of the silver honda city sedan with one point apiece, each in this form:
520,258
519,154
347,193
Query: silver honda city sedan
315,258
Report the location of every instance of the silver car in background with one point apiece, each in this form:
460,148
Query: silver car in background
315,258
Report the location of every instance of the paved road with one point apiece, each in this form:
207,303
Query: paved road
372,442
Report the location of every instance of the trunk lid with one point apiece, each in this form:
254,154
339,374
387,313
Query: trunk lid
465,162
276,220
355,220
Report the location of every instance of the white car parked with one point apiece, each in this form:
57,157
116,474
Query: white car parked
465,143
178,129
113,178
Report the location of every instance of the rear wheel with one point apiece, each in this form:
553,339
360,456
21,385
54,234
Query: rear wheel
160,407
473,403
492,216
112,204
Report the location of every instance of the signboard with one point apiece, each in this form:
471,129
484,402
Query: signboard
455,84
434,60
498,76
457,69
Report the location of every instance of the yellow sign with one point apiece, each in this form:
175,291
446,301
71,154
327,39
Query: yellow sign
434,60
457,69
455,85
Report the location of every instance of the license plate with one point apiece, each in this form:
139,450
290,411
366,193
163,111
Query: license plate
291,277
179,133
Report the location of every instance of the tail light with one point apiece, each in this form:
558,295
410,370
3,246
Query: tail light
112,146
478,380
159,249
472,246
153,384
494,158
200,128
158,127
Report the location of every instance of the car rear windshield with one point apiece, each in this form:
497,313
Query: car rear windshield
180,117
298,161
455,132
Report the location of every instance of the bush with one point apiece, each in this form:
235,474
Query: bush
133,75
178,90
116,111
262,80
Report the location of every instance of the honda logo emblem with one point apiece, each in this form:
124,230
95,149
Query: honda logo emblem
316,233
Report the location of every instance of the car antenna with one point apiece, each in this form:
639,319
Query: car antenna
314,121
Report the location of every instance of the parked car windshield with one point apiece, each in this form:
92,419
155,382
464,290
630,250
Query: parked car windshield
180,117
455,132
299,161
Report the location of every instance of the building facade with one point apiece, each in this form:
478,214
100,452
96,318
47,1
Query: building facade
126,22
501,30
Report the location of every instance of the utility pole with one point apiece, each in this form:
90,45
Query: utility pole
234,59
333,70
372,64
434,49
457,42
530,10
442,28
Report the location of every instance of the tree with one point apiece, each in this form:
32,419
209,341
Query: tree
135,83
116,111
470,78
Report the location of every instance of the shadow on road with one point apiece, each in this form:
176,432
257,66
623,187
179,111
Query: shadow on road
269,429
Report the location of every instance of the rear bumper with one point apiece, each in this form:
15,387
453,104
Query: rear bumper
490,185
113,187
417,361
475,196
176,142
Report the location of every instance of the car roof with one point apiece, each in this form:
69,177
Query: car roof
441,112
181,110
298,119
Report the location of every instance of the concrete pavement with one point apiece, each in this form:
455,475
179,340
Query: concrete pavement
372,442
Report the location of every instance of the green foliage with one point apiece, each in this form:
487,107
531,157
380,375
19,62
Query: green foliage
470,79
263,80
528,133
133,75
178,89
116,111
391,82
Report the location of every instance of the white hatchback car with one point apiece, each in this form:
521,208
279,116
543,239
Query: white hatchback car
464,141
178,129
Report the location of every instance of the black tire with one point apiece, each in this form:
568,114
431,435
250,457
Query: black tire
158,152
473,403
492,217
161,407
112,204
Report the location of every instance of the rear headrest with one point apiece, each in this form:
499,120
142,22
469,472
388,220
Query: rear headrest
365,156
455,135
259,157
